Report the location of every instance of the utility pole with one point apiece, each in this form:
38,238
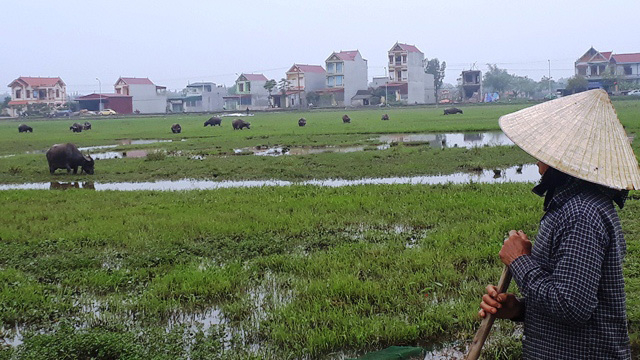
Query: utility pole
99,95
386,88
549,77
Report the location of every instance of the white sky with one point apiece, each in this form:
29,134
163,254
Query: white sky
176,42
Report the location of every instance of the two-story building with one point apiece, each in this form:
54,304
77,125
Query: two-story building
198,97
605,69
250,93
406,73
36,90
147,97
346,74
303,79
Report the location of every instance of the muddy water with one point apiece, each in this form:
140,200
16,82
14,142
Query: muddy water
526,173
120,154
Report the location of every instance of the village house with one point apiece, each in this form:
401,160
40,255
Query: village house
410,84
346,74
147,98
302,80
250,93
25,91
198,97
604,69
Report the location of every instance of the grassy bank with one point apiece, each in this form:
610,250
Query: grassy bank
271,273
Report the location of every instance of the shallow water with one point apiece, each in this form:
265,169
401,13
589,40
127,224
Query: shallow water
120,154
526,173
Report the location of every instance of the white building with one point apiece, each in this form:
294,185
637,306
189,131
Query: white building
26,91
203,97
346,74
147,97
406,71
250,93
599,68
302,80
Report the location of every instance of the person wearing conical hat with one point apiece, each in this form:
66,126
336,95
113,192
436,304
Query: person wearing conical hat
571,281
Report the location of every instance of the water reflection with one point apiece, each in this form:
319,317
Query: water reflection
55,185
451,140
520,173
120,154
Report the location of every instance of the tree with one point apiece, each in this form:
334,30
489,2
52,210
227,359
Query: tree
5,103
496,79
577,84
523,85
283,85
269,85
437,70
312,97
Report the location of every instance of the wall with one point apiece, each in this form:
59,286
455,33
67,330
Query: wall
355,78
146,100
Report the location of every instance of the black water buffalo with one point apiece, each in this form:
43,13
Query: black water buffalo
176,128
239,124
213,121
302,122
385,117
452,111
24,128
67,156
346,119
86,126
76,127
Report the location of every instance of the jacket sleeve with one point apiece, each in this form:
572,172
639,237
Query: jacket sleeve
569,292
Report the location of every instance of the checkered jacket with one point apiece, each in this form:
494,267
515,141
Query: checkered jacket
572,282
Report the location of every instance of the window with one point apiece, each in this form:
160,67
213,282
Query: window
339,68
628,70
404,59
57,93
339,80
331,68
248,87
331,81
28,94
18,93
241,87
390,59
582,70
207,88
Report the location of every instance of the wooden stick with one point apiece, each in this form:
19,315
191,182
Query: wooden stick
485,326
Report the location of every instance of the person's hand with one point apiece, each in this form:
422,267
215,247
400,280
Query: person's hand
503,306
516,245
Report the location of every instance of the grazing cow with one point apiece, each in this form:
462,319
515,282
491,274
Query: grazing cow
452,111
86,126
346,119
24,128
385,117
213,121
76,127
239,124
302,122
67,156
176,128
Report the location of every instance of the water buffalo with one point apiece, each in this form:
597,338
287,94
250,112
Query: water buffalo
86,126
24,128
346,119
385,117
76,127
239,124
67,156
176,128
213,121
452,111
302,122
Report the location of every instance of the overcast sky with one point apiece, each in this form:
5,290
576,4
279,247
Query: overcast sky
177,42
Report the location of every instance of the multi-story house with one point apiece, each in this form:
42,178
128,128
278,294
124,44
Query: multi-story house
147,97
250,93
604,69
406,71
200,97
346,74
303,79
36,90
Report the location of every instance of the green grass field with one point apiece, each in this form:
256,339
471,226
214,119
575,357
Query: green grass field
278,273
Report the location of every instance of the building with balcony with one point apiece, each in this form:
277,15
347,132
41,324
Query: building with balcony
147,98
27,91
606,69
250,93
303,79
406,74
198,97
346,74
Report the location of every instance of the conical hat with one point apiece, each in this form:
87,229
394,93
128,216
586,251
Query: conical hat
579,135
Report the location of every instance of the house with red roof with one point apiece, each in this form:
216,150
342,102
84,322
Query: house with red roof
25,91
406,73
303,79
250,93
347,73
147,97
606,69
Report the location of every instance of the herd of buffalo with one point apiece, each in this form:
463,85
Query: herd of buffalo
67,156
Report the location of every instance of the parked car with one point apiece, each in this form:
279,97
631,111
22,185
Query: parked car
107,112
60,113
635,92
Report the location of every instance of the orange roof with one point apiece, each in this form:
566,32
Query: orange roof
627,58
38,81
